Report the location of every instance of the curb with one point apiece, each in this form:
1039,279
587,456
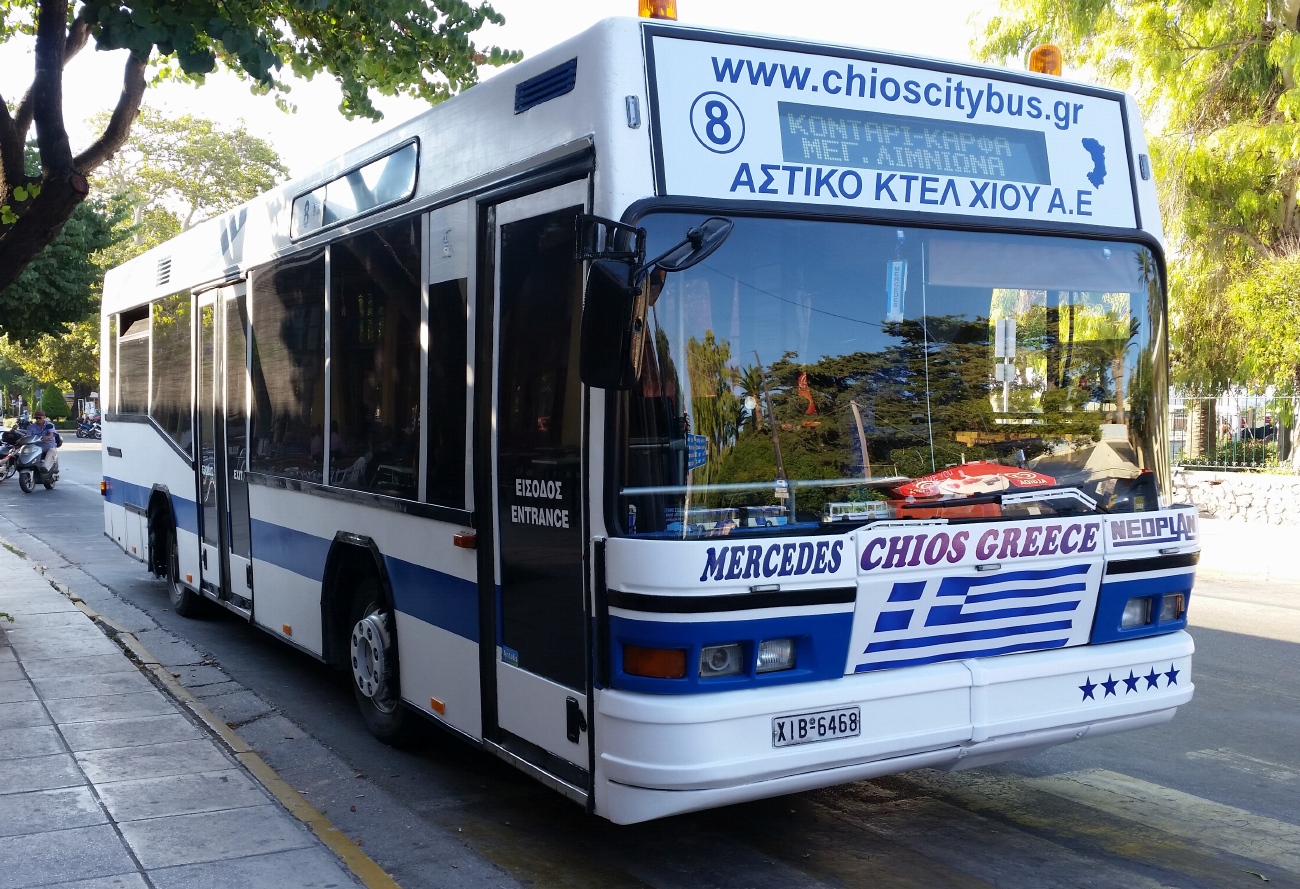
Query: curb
362,866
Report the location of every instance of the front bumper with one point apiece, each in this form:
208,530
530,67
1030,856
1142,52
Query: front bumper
660,755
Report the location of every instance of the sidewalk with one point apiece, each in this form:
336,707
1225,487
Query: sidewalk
105,781
1250,550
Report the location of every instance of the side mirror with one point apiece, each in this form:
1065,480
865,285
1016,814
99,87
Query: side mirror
613,323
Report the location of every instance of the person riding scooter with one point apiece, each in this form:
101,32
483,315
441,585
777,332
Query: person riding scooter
45,429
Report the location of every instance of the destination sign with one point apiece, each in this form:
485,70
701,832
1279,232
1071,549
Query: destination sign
790,124
874,141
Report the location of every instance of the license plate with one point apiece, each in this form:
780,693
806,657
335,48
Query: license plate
820,725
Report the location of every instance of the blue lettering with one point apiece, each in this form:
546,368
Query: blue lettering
743,177
981,198
836,548
715,562
768,169
824,181
882,186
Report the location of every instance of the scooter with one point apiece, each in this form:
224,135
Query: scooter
31,466
9,440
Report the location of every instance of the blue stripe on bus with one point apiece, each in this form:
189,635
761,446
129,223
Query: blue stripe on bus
120,493
443,600
435,597
292,550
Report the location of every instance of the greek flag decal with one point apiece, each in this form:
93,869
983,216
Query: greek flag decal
952,618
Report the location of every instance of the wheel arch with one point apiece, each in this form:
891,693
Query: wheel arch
159,511
351,557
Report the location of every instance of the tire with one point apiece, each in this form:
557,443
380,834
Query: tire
49,484
372,665
185,601
26,481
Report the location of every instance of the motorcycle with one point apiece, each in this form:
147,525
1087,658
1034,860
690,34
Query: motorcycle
9,440
31,465
85,429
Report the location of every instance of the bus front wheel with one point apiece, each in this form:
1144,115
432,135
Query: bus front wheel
372,656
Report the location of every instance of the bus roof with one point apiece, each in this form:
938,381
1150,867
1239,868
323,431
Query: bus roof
801,105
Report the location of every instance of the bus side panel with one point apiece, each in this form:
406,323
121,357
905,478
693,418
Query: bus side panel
288,565
147,459
433,583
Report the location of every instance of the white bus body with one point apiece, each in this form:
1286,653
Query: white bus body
350,412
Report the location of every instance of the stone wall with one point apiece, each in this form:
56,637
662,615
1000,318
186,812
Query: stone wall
1273,499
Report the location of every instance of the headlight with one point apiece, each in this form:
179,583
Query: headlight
775,655
29,452
721,660
1137,613
1171,607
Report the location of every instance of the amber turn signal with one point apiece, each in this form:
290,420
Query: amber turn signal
655,663
103,488
658,9
1045,59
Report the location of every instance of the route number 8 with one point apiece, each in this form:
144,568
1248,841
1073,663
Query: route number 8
717,122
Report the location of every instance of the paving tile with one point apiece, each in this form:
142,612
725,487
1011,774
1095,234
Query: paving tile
67,855
16,690
120,881
180,795
45,620
9,669
45,810
153,761
169,649
91,685
146,703
214,836
20,714
20,606
299,869
36,740
40,773
51,668
40,644
130,732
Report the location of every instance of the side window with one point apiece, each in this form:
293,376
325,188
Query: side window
108,395
133,361
288,368
172,383
446,411
374,435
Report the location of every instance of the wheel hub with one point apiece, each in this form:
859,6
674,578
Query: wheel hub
369,655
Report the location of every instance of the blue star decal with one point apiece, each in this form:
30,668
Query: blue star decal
1131,683
1109,685
1152,678
1086,688
1172,676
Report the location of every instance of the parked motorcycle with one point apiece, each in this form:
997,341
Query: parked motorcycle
9,440
85,429
31,466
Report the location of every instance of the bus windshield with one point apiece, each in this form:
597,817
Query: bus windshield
814,373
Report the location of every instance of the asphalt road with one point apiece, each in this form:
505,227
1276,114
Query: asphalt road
1209,800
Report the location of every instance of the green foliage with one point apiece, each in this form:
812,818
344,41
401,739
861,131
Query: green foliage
419,48
53,404
62,283
1218,83
174,173
69,358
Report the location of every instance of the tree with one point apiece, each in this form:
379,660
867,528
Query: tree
62,282
53,404
1219,77
69,360
420,48
177,172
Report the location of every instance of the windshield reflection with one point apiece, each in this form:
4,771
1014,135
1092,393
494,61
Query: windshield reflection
812,373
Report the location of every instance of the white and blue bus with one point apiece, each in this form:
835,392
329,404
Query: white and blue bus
685,417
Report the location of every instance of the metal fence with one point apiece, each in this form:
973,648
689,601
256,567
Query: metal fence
1234,431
